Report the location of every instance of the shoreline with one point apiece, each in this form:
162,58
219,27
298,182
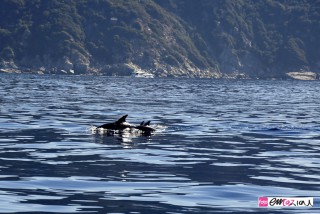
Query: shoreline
296,75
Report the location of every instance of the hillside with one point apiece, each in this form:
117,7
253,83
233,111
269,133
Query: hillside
221,38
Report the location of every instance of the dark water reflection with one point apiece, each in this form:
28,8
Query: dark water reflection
220,145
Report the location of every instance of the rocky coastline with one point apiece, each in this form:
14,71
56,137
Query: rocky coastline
133,70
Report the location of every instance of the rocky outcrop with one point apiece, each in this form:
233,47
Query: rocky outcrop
301,75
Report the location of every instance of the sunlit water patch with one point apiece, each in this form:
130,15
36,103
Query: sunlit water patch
218,145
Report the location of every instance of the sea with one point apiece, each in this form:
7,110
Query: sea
219,145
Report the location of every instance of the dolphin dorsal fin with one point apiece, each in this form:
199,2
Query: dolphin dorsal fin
141,124
122,119
147,123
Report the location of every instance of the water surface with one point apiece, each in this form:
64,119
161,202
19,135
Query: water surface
220,145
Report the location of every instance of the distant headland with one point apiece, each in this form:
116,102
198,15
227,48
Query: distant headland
162,38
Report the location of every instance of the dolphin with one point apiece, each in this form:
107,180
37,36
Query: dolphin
120,124
145,127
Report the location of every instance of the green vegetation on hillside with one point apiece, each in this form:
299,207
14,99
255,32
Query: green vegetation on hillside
256,37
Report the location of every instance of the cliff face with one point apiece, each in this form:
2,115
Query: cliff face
222,38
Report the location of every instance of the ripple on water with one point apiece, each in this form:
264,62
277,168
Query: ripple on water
220,144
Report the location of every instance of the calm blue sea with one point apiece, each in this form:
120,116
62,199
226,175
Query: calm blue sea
219,145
